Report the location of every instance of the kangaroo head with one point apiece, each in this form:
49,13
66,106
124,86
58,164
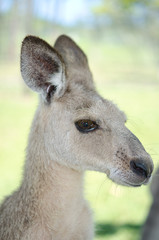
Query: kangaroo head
79,128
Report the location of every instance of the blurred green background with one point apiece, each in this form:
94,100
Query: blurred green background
121,40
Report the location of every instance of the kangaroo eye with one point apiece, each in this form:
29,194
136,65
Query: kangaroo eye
86,125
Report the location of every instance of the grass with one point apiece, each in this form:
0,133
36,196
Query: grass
119,212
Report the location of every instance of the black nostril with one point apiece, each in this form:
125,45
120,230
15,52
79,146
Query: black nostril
140,168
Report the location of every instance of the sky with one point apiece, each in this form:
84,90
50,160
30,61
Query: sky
68,12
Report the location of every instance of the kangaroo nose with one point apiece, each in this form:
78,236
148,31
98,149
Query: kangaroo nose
141,168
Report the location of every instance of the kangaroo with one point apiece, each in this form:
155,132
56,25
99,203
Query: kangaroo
151,226
74,130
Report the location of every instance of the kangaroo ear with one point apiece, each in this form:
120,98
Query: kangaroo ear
75,60
71,52
42,68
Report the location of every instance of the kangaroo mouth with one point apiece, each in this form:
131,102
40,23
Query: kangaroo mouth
126,183
128,179
131,184
139,184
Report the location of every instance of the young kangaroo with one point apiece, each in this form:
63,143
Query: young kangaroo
74,130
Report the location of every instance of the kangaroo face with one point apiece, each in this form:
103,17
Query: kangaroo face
79,128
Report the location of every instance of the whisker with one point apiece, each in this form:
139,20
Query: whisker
99,189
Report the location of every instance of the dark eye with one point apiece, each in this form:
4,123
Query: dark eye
86,125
